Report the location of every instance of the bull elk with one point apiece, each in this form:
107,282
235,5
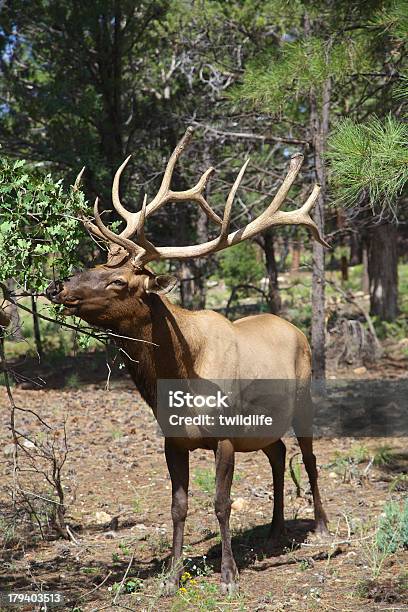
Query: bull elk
125,296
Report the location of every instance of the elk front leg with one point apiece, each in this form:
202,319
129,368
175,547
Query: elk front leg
178,466
276,454
224,472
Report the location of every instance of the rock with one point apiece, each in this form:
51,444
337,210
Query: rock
140,537
28,444
141,526
333,475
360,371
239,505
102,517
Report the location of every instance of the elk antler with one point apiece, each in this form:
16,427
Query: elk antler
142,251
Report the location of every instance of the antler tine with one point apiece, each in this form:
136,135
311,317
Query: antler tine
127,215
78,180
141,239
230,200
168,173
165,194
307,220
130,246
91,227
195,194
142,217
295,165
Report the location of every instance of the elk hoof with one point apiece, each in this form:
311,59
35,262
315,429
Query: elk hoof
229,588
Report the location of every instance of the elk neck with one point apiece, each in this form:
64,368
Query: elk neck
171,342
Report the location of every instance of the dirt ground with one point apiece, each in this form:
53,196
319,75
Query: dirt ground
117,494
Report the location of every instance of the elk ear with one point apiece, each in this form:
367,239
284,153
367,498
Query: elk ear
162,283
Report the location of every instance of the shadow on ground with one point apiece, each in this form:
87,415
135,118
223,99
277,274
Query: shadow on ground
249,546
56,371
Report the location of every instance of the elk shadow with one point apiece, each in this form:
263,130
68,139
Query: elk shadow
58,371
250,545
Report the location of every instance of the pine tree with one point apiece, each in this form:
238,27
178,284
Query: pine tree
369,172
329,57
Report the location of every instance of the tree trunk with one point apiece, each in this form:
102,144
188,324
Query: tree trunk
187,272
274,299
36,325
365,281
296,252
383,271
12,312
318,306
344,269
284,252
355,249
320,128
109,45
200,290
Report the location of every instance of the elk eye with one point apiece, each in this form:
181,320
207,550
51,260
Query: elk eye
119,282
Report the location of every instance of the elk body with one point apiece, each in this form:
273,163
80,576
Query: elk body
164,341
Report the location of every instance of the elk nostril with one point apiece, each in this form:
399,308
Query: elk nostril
54,289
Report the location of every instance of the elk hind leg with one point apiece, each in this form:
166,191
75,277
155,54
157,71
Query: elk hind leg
309,460
303,426
276,454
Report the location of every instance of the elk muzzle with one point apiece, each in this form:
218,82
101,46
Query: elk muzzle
53,291
58,293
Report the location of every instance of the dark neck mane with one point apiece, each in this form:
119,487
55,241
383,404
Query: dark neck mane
172,329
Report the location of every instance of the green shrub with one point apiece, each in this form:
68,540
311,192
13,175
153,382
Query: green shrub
392,533
205,480
396,330
241,266
39,231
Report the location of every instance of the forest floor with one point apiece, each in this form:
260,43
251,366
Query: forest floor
117,494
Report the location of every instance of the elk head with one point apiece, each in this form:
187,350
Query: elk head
120,289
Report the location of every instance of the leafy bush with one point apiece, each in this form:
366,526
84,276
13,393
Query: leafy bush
397,330
241,266
205,480
39,228
131,585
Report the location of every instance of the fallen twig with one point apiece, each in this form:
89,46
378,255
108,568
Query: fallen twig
123,579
